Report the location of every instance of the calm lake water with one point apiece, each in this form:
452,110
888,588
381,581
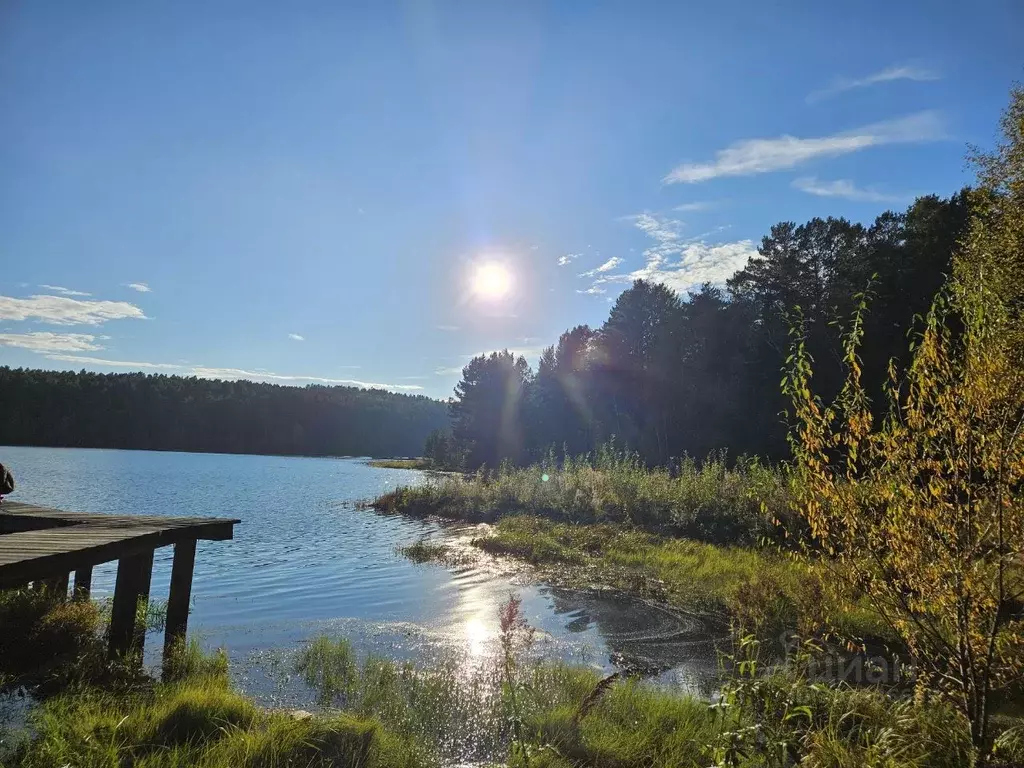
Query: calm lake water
305,561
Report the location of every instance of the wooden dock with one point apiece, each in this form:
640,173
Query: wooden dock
44,546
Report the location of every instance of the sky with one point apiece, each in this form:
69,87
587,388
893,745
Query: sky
371,193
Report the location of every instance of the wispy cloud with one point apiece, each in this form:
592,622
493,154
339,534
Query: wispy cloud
753,156
89,360
140,287
62,290
608,266
45,341
895,72
682,264
569,257
594,290
62,310
296,337
843,188
231,374
447,327
697,205
448,371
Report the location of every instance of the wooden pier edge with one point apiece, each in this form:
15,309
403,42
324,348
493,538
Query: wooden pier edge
43,546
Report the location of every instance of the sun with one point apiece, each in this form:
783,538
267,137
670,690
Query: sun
491,281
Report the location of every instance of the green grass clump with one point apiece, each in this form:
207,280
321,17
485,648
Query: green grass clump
201,721
328,667
188,661
712,502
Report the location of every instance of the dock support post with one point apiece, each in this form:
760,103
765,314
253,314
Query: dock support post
176,625
134,574
83,582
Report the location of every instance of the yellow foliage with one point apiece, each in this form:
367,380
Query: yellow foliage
924,505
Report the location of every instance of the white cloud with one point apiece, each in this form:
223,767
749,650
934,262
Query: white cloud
228,373
65,291
594,290
140,287
753,156
448,371
698,263
61,310
842,188
447,327
296,337
87,360
681,264
45,341
896,72
698,205
608,266
563,260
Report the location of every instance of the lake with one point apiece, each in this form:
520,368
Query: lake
306,561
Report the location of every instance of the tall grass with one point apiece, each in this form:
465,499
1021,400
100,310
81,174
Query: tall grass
564,716
710,501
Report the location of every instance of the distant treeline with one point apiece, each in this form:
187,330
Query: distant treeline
157,412
668,376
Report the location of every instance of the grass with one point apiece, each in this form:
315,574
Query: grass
763,590
202,722
400,463
572,717
712,502
380,713
397,715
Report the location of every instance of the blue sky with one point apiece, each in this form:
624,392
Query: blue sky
303,192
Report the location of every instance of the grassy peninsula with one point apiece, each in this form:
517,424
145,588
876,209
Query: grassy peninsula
707,537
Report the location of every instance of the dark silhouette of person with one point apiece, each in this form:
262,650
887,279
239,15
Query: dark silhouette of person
6,481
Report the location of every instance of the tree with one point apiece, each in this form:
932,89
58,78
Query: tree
441,450
559,414
635,366
924,506
486,412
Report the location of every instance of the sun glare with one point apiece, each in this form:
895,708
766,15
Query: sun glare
491,281
476,637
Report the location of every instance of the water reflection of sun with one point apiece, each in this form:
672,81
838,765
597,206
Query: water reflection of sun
477,635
